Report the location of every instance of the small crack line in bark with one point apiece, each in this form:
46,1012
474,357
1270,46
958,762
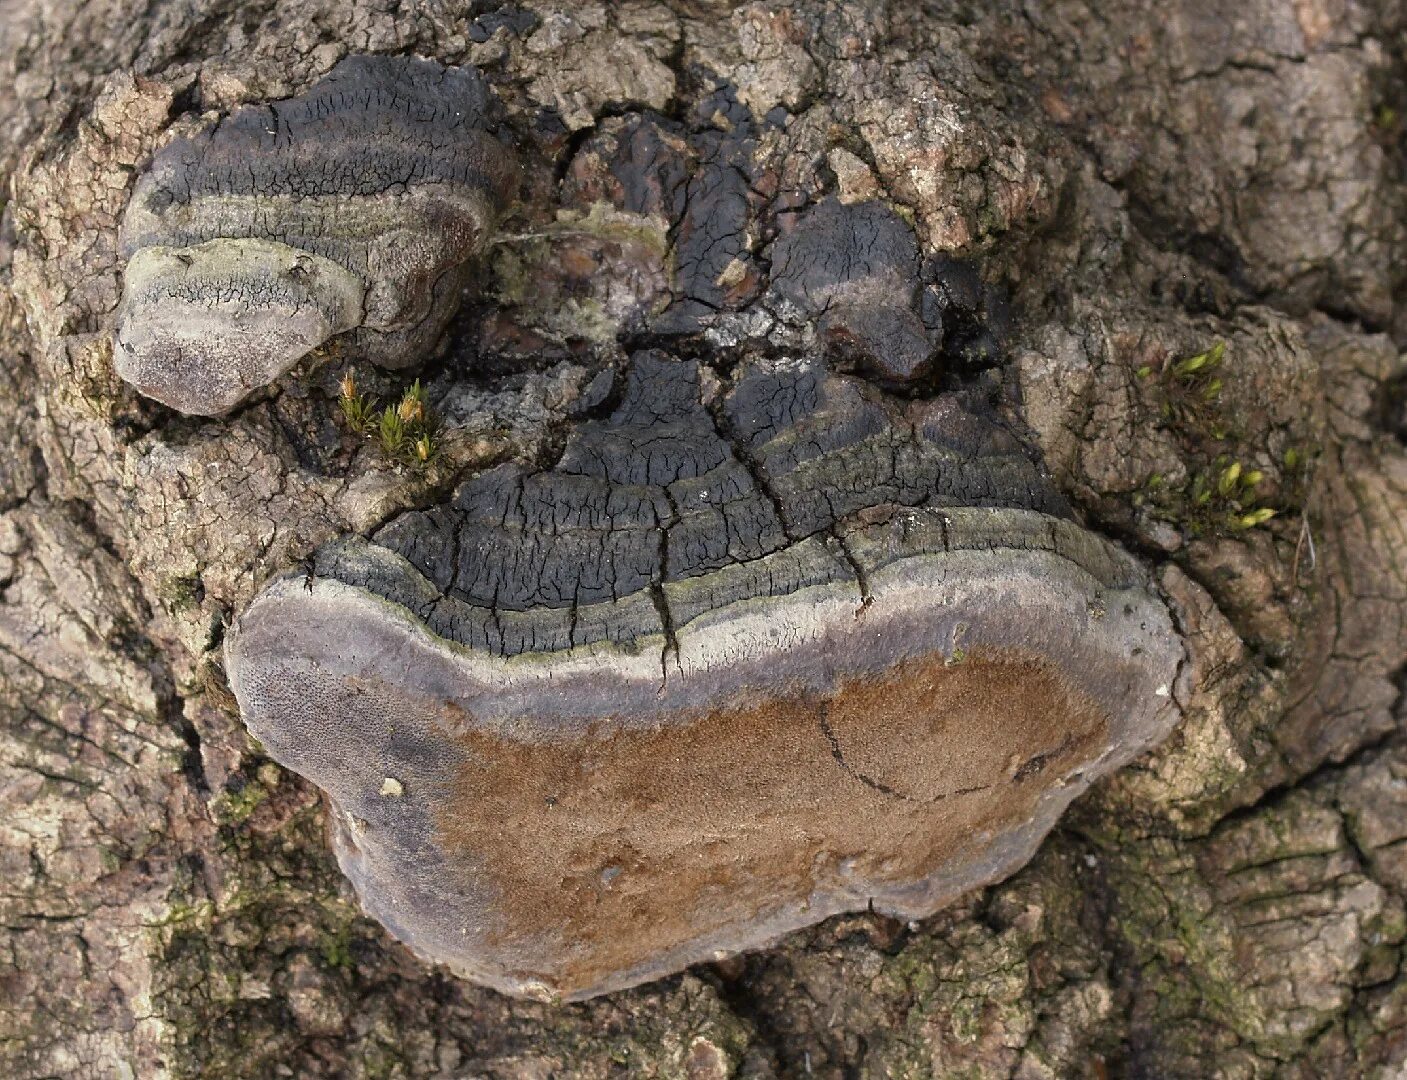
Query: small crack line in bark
752,467
862,580
671,643
661,602
573,614
1276,795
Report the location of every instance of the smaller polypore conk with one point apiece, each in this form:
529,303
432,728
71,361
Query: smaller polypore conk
721,672
352,208
856,270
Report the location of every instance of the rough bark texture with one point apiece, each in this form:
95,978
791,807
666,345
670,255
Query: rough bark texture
1146,181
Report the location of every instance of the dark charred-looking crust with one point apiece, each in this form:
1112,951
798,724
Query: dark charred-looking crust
388,170
855,269
373,125
663,491
734,664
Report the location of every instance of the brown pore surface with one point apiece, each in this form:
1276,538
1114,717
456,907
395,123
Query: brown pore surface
628,843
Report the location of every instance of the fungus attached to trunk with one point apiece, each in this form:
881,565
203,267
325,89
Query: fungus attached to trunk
855,268
355,205
726,669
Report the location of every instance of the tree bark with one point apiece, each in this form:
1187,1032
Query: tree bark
1198,216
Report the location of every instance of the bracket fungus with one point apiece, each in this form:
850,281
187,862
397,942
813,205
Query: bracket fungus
854,267
739,661
353,207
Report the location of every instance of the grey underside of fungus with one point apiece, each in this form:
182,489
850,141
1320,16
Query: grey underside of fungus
729,667
354,207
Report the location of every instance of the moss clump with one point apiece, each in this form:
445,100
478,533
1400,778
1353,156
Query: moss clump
1225,492
406,431
184,592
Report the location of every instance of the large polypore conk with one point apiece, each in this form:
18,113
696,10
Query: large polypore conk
353,207
726,669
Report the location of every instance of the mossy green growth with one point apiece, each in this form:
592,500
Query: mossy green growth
1226,491
959,991
181,592
235,807
335,945
406,431
222,952
1169,925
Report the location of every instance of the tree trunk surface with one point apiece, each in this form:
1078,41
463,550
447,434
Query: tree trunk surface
1149,183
